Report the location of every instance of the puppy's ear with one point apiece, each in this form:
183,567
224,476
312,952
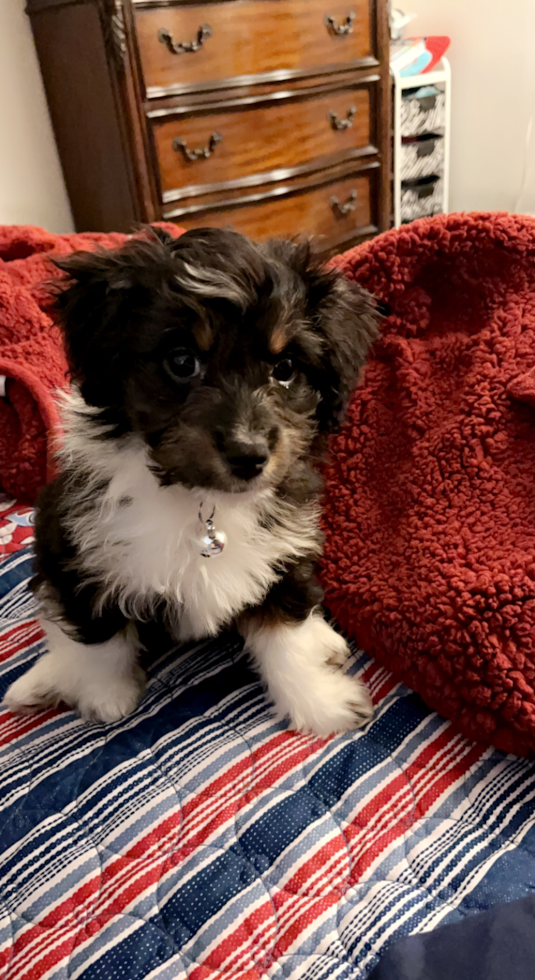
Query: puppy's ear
160,234
95,303
88,302
347,319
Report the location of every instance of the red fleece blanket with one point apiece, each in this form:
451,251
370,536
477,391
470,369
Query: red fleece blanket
430,503
31,354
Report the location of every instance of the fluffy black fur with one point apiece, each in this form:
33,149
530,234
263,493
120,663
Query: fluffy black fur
274,342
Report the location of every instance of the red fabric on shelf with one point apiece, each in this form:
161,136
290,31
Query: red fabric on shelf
31,352
430,499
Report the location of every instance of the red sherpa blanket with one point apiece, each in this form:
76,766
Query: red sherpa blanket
31,354
430,502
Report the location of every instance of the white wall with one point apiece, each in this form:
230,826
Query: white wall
492,56
32,190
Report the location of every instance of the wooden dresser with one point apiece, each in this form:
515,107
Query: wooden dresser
269,116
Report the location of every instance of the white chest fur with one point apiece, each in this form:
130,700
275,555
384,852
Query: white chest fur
144,541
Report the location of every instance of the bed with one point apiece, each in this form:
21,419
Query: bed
200,839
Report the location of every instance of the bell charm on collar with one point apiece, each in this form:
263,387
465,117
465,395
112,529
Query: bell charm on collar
213,542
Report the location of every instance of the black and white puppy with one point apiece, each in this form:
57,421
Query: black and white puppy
207,373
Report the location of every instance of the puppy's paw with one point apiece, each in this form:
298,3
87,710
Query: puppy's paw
101,681
106,699
339,704
34,691
337,649
119,699
301,665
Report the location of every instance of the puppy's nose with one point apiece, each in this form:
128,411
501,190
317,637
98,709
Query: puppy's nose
247,457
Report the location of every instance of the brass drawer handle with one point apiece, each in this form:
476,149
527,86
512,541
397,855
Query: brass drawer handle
181,47
342,124
201,153
342,210
338,30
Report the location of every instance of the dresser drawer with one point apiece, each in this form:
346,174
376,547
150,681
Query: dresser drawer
335,211
248,38
233,146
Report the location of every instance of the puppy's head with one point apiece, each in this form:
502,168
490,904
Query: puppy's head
231,360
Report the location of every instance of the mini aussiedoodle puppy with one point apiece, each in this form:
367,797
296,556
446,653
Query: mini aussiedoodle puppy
207,372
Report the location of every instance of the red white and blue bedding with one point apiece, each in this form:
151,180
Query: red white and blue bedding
200,839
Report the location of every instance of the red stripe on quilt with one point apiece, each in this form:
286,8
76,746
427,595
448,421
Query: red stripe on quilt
19,637
318,905
119,872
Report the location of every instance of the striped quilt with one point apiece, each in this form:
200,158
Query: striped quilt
200,839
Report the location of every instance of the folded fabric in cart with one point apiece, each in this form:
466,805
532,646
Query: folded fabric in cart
417,55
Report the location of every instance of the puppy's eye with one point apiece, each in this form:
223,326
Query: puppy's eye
284,371
182,365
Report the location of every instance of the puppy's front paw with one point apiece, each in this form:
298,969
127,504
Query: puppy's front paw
102,681
338,650
119,700
98,699
330,701
340,703
301,665
34,691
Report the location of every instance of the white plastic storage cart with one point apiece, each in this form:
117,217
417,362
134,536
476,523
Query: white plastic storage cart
421,143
